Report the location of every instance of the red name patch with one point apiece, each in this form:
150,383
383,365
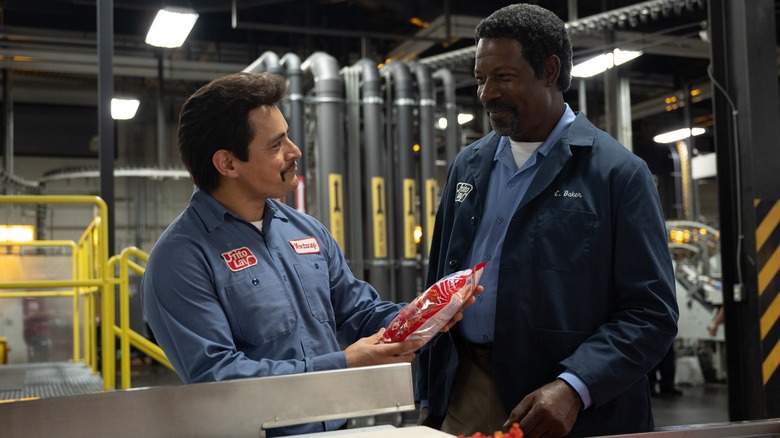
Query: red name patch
239,259
308,245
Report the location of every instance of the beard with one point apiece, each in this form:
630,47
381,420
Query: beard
508,124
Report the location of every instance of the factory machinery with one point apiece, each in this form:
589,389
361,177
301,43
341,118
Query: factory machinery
695,249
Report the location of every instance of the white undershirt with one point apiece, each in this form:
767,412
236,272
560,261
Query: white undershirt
522,150
259,225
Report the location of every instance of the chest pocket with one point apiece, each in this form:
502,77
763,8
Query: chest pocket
260,308
564,238
315,282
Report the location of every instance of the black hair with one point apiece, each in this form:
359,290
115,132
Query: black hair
217,117
540,31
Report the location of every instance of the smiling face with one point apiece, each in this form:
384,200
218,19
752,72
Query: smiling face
519,104
269,171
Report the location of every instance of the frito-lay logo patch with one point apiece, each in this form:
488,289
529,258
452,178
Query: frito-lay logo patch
462,190
308,245
239,259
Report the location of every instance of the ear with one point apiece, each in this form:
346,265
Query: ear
552,70
223,162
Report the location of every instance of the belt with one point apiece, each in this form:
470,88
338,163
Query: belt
480,354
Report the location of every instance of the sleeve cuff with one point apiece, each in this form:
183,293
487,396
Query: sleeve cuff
331,361
578,385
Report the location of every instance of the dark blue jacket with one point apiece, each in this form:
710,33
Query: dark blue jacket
586,280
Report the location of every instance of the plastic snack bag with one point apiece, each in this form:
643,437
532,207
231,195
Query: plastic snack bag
425,316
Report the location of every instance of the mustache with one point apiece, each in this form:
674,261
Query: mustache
290,167
497,105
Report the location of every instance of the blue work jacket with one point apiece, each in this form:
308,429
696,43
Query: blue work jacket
585,284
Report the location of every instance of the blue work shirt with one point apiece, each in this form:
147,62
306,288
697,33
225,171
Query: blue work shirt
227,301
506,188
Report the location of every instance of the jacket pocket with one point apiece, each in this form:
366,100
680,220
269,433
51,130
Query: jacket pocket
564,238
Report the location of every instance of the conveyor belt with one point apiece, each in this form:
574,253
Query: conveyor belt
47,379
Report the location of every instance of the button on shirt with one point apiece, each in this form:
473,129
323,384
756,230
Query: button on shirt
227,301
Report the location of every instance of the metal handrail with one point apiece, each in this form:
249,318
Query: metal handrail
93,275
90,275
126,335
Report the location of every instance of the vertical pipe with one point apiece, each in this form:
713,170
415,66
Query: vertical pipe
292,65
624,133
375,181
8,120
429,186
405,183
354,198
160,111
690,146
329,88
451,146
582,95
105,37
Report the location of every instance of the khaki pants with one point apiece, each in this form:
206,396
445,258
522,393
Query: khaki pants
474,405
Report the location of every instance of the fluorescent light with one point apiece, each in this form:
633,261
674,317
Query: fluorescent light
17,233
603,62
677,135
171,27
463,118
124,109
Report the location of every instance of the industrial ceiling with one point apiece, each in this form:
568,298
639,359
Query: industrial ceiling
49,47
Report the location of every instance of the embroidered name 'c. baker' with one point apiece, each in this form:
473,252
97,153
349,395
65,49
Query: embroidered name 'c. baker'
308,245
462,190
238,259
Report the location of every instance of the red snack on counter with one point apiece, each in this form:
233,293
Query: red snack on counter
434,308
514,432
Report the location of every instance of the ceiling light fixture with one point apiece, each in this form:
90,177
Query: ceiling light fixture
124,109
677,135
171,27
603,62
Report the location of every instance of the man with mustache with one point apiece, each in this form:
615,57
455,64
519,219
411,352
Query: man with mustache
579,297
241,285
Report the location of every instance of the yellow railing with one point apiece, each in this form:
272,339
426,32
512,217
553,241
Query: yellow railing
126,335
93,280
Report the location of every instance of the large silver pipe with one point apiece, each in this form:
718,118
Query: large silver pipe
375,179
295,117
451,141
329,89
429,186
268,61
405,183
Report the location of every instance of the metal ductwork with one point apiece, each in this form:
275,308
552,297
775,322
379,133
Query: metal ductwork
268,61
405,181
374,176
429,186
330,157
451,140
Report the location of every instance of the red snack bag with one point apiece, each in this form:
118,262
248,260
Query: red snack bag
434,308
